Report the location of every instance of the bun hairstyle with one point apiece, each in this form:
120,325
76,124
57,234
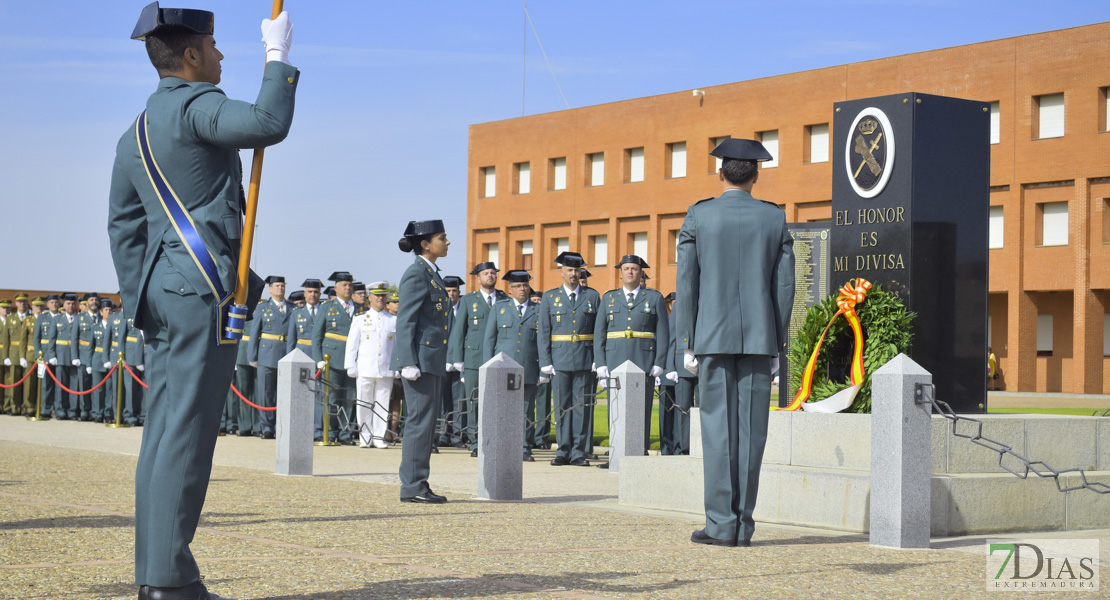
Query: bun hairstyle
405,245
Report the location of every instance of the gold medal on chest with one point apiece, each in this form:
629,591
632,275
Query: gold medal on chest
558,318
475,307
439,306
502,311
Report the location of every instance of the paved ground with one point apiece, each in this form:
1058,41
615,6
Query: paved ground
66,503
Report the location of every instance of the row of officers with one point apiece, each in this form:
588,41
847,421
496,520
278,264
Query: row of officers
567,339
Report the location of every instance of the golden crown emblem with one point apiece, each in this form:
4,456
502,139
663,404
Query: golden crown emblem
868,126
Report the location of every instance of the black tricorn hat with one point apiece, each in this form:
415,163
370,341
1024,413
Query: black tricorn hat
275,279
89,295
69,296
154,18
419,228
341,276
105,303
296,296
312,283
670,297
482,266
584,272
329,291
740,149
570,259
452,281
632,259
358,286
535,293
517,276
53,297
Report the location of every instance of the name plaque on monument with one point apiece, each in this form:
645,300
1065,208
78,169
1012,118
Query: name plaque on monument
811,286
911,176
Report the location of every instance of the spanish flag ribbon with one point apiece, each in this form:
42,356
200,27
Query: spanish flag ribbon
850,294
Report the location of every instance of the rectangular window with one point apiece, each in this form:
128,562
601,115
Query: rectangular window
672,243
522,172
639,244
1106,334
1103,108
1050,116
601,250
996,123
818,143
557,173
487,182
493,254
994,236
770,141
676,160
1054,223
597,168
526,255
561,245
1106,220
714,161
634,157
1044,335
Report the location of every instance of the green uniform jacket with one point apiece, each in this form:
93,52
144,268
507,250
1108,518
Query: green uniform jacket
470,329
558,316
101,346
118,325
183,114
515,335
647,315
83,328
422,326
61,340
44,327
331,318
5,341
134,346
20,337
733,312
299,330
268,319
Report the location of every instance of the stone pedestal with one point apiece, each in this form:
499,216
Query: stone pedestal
501,429
626,414
901,457
295,407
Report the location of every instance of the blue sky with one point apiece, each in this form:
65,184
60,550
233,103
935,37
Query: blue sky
387,92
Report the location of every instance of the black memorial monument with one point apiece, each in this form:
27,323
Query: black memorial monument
911,177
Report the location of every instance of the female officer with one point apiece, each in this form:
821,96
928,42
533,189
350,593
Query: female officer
420,353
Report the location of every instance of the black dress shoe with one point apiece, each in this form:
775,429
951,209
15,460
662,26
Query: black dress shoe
604,465
193,591
580,462
528,458
559,461
435,450
700,537
267,435
461,445
428,497
592,456
474,453
243,433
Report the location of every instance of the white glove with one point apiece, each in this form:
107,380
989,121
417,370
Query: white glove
352,372
450,367
7,362
396,375
320,365
459,367
656,382
672,376
690,361
656,371
253,363
774,364
548,370
411,373
107,365
278,37
603,372
542,380
75,362
23,362
88,370
141,368
53,362
462,379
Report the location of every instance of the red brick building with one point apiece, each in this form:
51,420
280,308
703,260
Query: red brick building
617,178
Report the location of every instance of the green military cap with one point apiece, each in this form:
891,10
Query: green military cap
38,301
21,296
5,303
393,297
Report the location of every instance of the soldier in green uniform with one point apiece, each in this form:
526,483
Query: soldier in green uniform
267,347
566,348
5,348
453,389
299,330
62,357
117,323
15,357
542,429
87,318
175,230
676,397
632,326
297,299
511,328
134,356
32,386
420,353
584,275
245,379
736,285
329,338
102,399
467,338
358,296
44,329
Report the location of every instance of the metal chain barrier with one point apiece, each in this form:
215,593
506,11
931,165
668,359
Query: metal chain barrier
923,394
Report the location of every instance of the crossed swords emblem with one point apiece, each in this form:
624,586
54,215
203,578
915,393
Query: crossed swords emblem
863,150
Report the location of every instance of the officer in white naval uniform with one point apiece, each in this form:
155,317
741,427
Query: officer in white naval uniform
369,347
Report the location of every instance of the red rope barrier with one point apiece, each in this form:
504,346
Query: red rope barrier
86,392
136,377
16,384
241,397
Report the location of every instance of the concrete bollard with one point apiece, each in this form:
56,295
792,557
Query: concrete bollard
901,455
626,414
295,406
695,432
500,429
